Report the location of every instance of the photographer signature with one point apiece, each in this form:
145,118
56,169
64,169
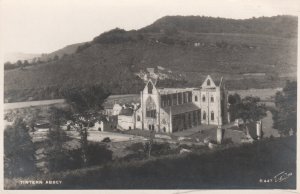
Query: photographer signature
282,176
277,178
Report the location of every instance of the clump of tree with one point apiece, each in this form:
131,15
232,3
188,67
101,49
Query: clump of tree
98,154
285,113
249,109
60,157
234,100
86,105
19,64
167,40
30,117
83,47
116,35
170,31
56,138
146,150
19,158
222,44
281,26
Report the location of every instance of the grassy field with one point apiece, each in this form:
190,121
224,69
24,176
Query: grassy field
266,94
228,54
244,167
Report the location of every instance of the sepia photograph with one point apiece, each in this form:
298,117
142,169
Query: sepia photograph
149,94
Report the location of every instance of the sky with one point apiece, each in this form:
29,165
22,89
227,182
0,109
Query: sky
43,26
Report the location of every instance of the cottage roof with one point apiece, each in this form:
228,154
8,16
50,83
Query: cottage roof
126,112
121,99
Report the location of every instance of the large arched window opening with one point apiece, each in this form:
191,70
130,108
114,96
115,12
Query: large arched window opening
150,108
212,99
204,115
212,116
150,88
203,98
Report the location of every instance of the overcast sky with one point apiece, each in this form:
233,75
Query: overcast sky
40,26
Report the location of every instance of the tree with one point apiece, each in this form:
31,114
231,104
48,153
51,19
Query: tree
64,56
25,63
8,65
285,113
250,110
170,31
55,58
148,145
57,117
233,101
19,63
49,59
86,104
19,150
39,60
33,61
31,118
56,139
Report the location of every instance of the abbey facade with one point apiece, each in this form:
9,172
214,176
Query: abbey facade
175,109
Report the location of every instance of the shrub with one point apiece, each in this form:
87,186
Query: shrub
98,154
160,149
72,159
136,147
135,156
18,150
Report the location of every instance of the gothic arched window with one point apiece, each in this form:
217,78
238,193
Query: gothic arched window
203,98
208,82
204,115
150,108
212,99
150,88
212,116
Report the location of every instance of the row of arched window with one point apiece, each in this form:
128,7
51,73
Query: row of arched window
203,99
212,115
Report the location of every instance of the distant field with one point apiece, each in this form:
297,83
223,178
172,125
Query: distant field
264,94
17,105
126,98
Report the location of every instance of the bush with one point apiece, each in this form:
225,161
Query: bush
136,147
160,149
157,149
237,167
135,156
65,160
98,154
72,159
19,150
